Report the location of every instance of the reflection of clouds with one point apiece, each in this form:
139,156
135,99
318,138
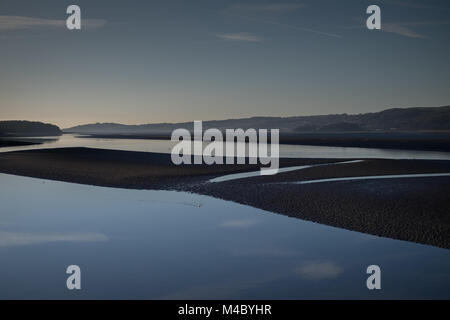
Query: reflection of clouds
20,239
319,270
224,289
239,223
267,252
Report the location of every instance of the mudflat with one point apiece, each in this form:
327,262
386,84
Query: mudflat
406,208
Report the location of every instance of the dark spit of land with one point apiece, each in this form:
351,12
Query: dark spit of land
14,143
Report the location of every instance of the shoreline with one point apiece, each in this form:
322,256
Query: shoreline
439,142
413,209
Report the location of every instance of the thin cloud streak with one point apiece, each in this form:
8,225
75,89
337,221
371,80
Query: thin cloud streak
240,36
279,7
403,28
26,23
289,26
409,4
400,30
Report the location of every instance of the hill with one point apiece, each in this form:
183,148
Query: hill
398,119
28,128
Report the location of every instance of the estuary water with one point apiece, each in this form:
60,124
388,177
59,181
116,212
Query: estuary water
174,245
287,151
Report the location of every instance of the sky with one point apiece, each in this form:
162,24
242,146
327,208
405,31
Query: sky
140,61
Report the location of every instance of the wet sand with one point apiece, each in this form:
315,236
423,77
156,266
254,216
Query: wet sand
412,209
124,169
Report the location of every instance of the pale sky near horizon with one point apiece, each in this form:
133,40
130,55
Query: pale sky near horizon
168,61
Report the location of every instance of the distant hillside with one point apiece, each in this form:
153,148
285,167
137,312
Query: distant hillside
28,128
405,119
341,127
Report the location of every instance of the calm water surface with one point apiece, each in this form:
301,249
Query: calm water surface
291,151
164,244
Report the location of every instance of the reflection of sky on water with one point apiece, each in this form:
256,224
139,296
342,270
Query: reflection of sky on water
242,223
18,238
288,151
235,176
319,270
389,176
163,244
